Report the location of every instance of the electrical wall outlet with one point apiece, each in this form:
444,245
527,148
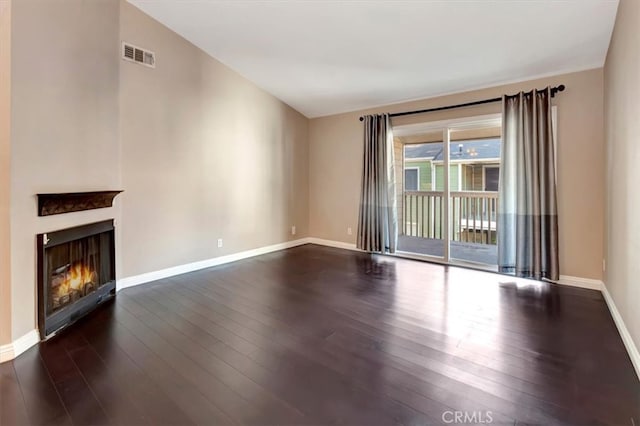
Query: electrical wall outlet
349,232
293,230
219,242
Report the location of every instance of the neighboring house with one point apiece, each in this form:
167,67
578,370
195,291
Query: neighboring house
474,166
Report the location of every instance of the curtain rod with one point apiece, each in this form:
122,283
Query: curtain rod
554,90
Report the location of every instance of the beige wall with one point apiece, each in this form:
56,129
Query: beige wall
64,124
622,124
335,155
5,171
205,155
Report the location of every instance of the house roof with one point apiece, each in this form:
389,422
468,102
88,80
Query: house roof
463,150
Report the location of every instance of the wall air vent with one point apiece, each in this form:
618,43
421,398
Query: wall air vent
138,55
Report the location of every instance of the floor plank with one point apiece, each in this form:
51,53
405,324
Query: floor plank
43,402
12,407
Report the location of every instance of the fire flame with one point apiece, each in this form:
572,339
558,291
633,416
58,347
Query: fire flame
75,278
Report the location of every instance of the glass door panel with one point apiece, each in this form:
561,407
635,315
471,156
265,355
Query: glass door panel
474,167
421,204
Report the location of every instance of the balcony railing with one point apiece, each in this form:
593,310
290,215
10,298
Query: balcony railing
473,215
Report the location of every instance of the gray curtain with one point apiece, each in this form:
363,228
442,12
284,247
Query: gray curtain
527,209
378,221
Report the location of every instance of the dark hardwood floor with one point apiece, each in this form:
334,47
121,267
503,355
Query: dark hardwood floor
320,336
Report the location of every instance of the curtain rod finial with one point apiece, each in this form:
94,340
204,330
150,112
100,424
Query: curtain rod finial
361,118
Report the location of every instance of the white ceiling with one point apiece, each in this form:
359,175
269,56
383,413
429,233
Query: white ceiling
327,57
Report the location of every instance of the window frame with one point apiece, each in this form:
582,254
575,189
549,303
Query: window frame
484,175
404,178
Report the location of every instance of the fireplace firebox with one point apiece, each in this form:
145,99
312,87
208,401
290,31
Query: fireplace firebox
76,272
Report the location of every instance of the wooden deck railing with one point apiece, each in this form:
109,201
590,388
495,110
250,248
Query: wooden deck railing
473,215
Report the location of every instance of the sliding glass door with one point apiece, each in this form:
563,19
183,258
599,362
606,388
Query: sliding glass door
447,177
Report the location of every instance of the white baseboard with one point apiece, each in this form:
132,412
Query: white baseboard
330,243
25,342
6,352
629,344
18,346
208,263
588,283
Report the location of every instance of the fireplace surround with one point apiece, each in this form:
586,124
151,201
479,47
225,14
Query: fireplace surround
76,272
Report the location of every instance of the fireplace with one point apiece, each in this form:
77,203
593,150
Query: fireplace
76,272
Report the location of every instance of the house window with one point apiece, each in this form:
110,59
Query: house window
491,175
411,179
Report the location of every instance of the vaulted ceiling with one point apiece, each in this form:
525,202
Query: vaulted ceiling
326,57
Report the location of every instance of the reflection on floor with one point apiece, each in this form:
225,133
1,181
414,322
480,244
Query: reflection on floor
480,253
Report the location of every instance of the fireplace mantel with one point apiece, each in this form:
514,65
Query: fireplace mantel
50,204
